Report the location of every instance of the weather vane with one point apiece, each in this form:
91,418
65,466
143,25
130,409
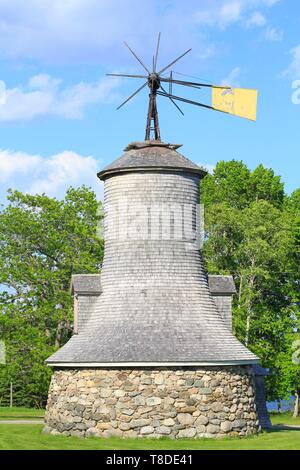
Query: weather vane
240,102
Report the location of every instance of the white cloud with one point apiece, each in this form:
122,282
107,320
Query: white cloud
293,70
2,92
270,3
226,12
230,12
43,82
12,163
274,34
52,175
256,19
44,95
92,31
222,15
231,78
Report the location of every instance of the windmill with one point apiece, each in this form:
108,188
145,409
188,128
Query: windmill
240,102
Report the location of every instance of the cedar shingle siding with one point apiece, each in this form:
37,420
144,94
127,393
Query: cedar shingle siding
155,304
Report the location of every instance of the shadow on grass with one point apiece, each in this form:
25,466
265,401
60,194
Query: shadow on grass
283,427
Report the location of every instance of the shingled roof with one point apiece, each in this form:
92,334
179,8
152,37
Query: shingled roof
185,335
90,284
151,156
86,284
220,285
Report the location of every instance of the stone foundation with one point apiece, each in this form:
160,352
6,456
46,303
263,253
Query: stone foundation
185,402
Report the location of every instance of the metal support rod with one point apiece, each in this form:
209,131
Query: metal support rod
148,125
155,117
152,118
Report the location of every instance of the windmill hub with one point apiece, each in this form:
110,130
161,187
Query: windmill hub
154,82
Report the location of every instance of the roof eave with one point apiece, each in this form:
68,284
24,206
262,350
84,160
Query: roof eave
154,364
104,173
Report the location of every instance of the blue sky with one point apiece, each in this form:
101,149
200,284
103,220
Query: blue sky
59,123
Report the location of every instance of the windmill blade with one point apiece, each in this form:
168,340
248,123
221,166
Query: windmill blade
240,102
170,83
178,98
137,58
133,94
180,82
194,84
174,61
171,99
125,75
156,54
240,107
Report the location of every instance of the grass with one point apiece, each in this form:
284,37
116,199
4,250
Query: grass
284,418
21,413
30,437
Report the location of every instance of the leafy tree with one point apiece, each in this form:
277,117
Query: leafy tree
288,366
255,246
252,232
43,241
264,185
229,182
234,184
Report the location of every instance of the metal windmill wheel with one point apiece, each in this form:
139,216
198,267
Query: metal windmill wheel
240,102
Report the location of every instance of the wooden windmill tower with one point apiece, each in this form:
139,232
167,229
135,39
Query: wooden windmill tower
153,352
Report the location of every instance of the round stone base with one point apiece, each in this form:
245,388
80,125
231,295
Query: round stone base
174,402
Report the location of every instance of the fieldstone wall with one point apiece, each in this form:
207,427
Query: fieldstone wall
187,402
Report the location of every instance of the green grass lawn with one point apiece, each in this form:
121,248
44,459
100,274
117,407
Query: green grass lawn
284,418
21,413
24,436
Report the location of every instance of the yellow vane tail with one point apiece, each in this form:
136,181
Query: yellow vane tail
237,101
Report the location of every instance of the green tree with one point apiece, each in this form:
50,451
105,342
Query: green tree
252,232
288,366
228,183
255,245
265,185
234,184
43,241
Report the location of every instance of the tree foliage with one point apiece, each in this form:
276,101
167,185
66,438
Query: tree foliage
43,241
252,232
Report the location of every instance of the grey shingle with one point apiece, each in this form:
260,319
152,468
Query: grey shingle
221,284
89,284
145,156
155,305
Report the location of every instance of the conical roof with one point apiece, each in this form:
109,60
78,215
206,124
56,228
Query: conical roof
151,156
